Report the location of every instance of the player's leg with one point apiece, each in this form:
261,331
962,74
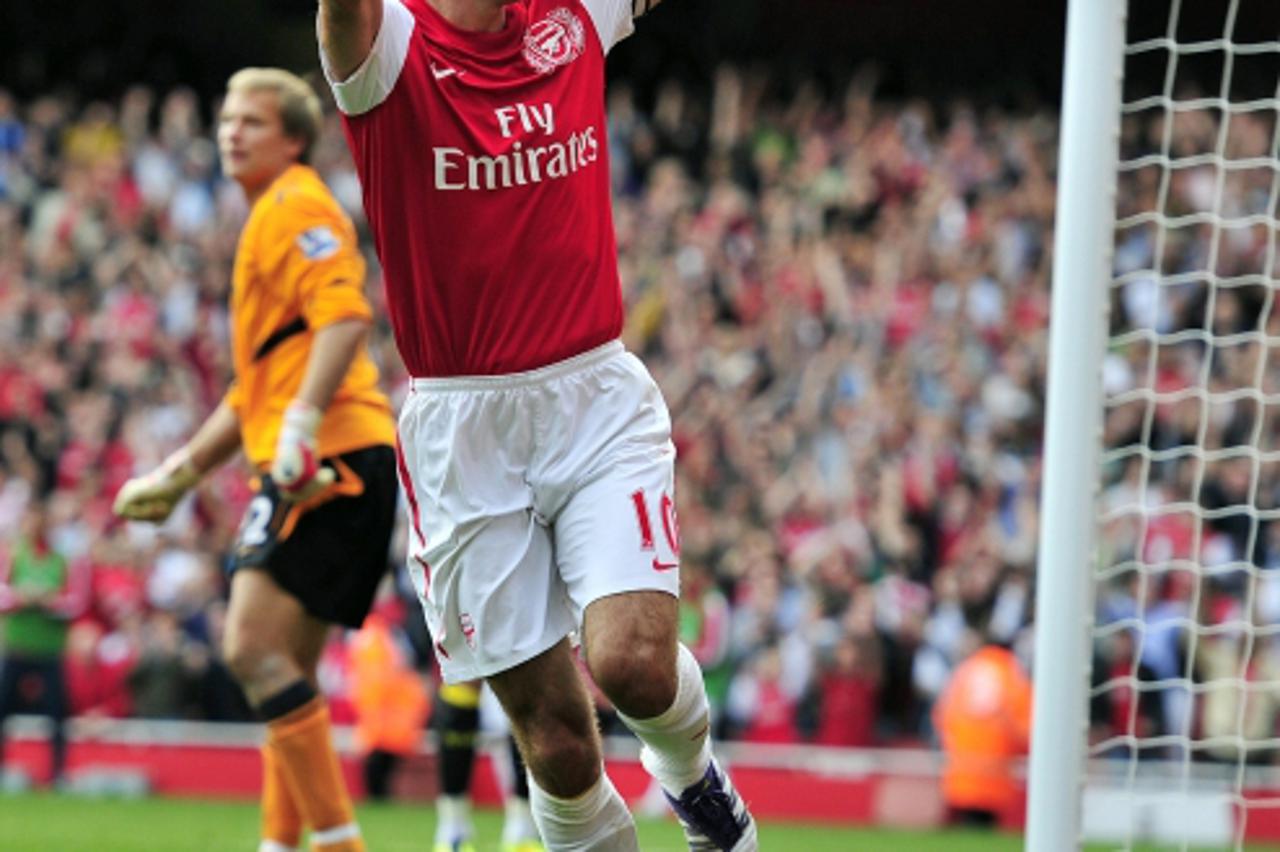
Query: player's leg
519,833
456,720
281,817
297,575
482,562
656,685
617,549
573,802
266,628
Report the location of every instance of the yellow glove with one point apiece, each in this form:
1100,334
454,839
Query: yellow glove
296,469
151,497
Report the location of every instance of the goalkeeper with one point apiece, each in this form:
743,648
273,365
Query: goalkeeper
306,408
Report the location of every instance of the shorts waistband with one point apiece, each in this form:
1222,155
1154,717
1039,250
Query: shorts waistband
515,380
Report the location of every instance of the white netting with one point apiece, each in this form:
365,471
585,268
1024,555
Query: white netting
1186,684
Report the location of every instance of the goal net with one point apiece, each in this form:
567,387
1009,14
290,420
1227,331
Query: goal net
1182,705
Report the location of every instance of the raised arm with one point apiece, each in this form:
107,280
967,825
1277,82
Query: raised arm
615,19
346,29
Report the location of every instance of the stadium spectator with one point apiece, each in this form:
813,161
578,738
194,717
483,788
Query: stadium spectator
391,701
163,681
760,706
39,595
984,721
97,672
1129,711
847,696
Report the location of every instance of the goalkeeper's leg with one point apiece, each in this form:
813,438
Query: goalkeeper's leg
271,646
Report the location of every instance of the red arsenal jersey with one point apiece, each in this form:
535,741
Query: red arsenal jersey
484,166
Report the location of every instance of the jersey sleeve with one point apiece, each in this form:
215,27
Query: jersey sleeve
234,397
321,261
371,83
613,20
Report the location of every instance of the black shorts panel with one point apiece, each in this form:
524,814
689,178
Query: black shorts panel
330,557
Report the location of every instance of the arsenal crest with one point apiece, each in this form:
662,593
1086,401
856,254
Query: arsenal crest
556,40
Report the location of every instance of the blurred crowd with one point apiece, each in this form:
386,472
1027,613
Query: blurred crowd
845,300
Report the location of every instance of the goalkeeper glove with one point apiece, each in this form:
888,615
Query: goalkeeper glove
151,497
296,469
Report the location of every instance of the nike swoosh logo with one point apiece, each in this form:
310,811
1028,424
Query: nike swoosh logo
440,73
664,566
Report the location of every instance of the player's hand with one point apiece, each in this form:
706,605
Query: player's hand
151,497
296,470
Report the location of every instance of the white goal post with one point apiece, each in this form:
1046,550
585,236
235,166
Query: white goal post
1157,645
1083,231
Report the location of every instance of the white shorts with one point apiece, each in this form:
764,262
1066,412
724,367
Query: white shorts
531,495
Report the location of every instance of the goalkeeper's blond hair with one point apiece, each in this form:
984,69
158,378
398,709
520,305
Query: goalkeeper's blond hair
300,111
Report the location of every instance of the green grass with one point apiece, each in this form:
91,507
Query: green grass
44,822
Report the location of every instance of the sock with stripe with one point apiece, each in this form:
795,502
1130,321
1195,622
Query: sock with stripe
298,730
596,821
677,743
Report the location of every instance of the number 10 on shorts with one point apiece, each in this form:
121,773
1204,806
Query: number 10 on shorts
670,529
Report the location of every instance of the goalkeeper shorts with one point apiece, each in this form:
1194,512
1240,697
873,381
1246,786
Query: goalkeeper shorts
531,495
332,552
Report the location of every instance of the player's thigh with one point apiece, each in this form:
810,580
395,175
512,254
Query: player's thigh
550,710
263,618
632,625
547,682
629,642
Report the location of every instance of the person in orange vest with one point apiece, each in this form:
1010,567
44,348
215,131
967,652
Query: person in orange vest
984,720
390,698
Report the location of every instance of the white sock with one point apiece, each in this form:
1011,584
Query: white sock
453,815
596,821
677,743
518,824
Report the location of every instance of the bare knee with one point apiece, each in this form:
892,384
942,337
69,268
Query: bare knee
637,675
270,641
561,750
261,668
553,720
630,642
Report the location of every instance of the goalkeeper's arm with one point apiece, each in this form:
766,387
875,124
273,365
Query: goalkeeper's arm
151,497
296,467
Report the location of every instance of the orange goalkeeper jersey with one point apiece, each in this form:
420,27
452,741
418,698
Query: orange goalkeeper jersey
297,270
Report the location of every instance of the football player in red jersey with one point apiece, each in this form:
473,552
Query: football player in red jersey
535,452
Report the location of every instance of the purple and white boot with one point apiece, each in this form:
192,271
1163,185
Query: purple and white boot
714,817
